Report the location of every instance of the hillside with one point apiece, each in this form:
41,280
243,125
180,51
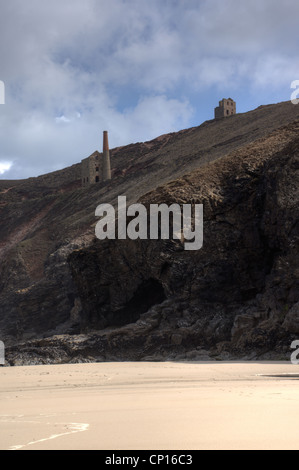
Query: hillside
236,296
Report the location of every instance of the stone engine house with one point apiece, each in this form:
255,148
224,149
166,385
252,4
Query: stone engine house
96,167
91,168
227,107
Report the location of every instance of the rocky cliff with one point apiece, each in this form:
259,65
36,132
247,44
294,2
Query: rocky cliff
66,296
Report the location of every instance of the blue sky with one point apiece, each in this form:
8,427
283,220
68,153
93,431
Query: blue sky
137,68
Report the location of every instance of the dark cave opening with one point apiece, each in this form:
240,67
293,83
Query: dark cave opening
149,293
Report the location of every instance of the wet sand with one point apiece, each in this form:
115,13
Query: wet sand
150,406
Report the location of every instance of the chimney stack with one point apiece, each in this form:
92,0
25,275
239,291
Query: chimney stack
106,158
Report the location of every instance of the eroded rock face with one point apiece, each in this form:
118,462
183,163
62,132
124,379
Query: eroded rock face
291,322
146,299
236,288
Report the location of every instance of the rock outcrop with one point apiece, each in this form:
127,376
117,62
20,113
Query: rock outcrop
239,293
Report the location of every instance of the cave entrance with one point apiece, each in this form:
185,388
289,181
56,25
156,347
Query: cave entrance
149,293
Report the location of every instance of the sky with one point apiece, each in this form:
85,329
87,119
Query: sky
137,68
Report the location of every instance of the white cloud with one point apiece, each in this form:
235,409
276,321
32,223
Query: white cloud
275,71
4,167
74,68
62,119
153,116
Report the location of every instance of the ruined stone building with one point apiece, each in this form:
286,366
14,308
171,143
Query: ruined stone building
91,168
226,107
96,167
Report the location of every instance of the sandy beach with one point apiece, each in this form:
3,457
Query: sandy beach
150,406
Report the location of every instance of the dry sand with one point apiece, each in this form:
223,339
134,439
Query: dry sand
150,406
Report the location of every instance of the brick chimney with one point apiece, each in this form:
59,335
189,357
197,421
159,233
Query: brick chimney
106,158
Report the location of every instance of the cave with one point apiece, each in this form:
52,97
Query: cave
149,293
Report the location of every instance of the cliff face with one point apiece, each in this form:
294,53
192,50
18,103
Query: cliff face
147,299
240,292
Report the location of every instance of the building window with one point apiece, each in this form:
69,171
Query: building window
97,179
87,180
97,168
